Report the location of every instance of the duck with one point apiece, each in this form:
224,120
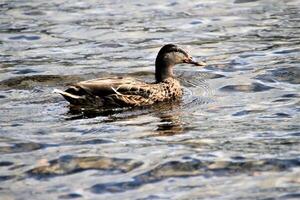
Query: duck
117,92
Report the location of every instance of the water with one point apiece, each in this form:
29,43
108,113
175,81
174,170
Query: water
234,135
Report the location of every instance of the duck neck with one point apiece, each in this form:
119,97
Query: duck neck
163,70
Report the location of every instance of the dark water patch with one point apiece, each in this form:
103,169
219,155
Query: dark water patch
277,115
25,71
290,196
246,112
282,115
195,22
28,82
238,158
2,96
5,178
196,167
71,164
252,54
244,1
266,78
290,95
239,62
25,37
34,13
289,74
253,87
16,125
4,5
93,141
17,167
70,196
173,4
281,100
215,76
110,45
297,134
153,197
21,147
5,163
287,51
13,30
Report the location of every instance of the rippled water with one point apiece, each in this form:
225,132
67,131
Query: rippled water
234,135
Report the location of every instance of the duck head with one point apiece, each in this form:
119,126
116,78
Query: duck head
168,56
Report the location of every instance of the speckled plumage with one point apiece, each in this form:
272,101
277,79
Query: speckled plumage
130,92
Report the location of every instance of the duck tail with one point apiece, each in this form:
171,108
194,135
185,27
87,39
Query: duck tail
72,98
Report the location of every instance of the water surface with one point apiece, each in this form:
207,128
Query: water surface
234,135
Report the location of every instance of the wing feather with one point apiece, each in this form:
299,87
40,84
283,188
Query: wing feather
104,87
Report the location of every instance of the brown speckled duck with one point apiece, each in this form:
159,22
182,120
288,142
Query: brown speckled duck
129,92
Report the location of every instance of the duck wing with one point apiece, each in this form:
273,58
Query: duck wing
107,86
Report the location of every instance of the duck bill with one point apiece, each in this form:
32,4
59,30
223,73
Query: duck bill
201,64
193,62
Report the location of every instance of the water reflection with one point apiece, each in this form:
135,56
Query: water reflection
169,115
170,120
170,124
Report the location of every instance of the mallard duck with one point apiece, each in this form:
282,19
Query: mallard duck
129,92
